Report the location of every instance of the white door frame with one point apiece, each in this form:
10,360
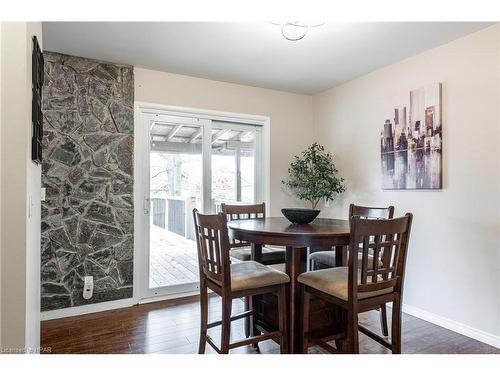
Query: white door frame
144,113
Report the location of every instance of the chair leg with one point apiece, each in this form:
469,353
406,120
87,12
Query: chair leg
396,326
227,303
383,320
252,330
352,332
304,319
282,320
247,319
204,318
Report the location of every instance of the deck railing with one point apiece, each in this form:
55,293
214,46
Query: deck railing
174,213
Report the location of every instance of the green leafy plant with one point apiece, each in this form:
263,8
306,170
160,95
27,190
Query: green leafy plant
313,176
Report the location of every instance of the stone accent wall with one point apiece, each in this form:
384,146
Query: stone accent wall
87,217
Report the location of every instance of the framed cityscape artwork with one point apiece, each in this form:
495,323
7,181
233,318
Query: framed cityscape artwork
411,141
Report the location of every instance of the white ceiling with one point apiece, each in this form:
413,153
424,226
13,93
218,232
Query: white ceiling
254,53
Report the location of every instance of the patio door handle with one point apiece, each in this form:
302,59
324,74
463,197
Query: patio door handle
146,205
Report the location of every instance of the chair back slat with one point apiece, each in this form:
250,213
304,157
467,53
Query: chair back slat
216,245
364,259
243,212
376,257
386,256
213,246
384,240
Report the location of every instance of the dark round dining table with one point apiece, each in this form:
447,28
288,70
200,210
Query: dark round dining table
278,231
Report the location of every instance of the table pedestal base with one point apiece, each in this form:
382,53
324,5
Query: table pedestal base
325,319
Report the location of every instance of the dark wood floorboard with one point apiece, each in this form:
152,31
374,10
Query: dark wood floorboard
172,327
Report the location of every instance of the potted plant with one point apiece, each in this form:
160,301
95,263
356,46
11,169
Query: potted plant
312,177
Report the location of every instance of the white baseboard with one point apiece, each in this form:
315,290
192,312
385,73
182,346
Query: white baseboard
110,305
453,325
168,297
87,309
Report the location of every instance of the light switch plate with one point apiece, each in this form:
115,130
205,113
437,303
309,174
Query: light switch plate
42,194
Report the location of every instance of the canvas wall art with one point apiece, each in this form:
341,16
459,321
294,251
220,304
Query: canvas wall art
411,140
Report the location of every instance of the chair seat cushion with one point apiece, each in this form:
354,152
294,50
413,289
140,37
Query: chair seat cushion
333,281
327,258
268,253
250,275
280,267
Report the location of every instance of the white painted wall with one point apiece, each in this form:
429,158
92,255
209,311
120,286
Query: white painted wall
454,257
291,115
20,286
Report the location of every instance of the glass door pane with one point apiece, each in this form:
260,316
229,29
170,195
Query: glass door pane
233,164
176,163
189,163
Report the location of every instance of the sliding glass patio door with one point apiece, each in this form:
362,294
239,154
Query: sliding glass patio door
192,163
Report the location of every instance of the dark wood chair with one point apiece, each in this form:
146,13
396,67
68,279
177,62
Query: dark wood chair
242,250
327,259
362,287
232,281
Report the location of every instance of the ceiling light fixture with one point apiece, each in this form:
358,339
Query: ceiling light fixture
295,30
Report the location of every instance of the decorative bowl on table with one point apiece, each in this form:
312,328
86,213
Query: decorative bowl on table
300,215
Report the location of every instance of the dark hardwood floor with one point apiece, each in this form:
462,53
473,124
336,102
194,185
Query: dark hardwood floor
171,327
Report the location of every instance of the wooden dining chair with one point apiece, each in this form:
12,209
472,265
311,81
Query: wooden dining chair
364,286
327,259
232,281
242,250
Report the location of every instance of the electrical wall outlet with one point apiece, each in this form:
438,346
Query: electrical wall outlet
88,287
327,202
42,194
